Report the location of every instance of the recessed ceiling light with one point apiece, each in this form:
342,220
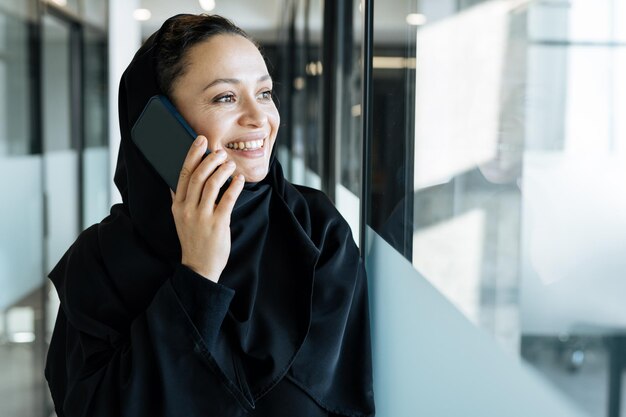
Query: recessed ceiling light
207,5
142,14
415,19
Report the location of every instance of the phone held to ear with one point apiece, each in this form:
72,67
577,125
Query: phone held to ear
164,138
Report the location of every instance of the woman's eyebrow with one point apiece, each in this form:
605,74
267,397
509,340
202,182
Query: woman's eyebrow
233,81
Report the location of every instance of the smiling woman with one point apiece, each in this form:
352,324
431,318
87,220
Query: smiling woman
185,305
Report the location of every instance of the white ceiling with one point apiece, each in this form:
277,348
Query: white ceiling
260,18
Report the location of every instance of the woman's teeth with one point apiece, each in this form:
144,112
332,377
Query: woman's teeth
254,144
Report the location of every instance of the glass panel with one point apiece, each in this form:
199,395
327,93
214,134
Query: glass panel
350,121
21,228
71,5
23,10
96,12
393,79
60,154
96,151
496,164
348,129
302,83
299,82
313,40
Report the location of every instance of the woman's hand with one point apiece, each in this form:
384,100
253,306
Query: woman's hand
203,227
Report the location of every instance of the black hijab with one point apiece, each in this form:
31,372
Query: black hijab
299,309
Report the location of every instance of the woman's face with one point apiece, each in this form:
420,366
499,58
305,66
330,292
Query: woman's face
225,95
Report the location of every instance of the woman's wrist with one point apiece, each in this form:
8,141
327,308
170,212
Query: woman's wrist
206,273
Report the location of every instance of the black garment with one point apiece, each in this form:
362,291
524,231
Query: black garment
139,334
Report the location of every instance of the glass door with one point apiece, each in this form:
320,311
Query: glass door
21,227
61,163
60,132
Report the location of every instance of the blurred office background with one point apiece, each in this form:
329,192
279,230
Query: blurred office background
477,149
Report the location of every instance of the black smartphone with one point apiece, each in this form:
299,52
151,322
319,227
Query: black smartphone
164,137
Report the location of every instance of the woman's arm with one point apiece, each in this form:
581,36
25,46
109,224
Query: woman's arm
158,365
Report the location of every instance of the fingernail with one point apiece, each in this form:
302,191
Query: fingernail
220,154
240,177
230,163
198,141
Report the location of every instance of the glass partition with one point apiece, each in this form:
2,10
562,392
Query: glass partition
320,92
50,65
21,211
95,154
301,91
313,91
497,156
96,13
295,87
348,122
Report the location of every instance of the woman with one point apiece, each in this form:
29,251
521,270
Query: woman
174,305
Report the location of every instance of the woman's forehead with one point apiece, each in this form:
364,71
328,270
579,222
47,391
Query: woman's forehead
226,53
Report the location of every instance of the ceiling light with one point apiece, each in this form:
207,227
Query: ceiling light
415,19
142,14
207,5
393,62
60,2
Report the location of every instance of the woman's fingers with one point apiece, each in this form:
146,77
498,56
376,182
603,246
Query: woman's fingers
226,204
214,183
203,174
192,160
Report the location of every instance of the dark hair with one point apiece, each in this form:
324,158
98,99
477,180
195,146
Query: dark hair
178,35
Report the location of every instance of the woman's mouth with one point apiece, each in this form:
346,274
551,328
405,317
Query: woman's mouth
246,146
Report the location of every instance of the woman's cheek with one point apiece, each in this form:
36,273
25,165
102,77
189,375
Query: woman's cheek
275,120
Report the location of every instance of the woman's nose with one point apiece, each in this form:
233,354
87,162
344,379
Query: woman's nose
253,114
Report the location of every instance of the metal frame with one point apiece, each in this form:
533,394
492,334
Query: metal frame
331,40
409,163
366,116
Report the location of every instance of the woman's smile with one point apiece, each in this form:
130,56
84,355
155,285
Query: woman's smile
251,145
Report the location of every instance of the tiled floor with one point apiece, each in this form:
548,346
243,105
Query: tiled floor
23,392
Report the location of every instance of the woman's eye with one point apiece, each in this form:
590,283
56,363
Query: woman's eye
266,95
227,98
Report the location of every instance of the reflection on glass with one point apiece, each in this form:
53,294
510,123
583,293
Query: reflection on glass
313,70
295,79
510,192
21,227
349,118
302,83
72,5
96,12
348,121
60,155
393,80
95,152
467,161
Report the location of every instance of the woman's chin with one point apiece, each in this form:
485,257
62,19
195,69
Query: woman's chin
255,175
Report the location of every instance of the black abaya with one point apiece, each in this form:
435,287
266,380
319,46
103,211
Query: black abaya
285,332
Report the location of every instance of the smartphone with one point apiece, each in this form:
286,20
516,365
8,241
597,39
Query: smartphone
164,137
